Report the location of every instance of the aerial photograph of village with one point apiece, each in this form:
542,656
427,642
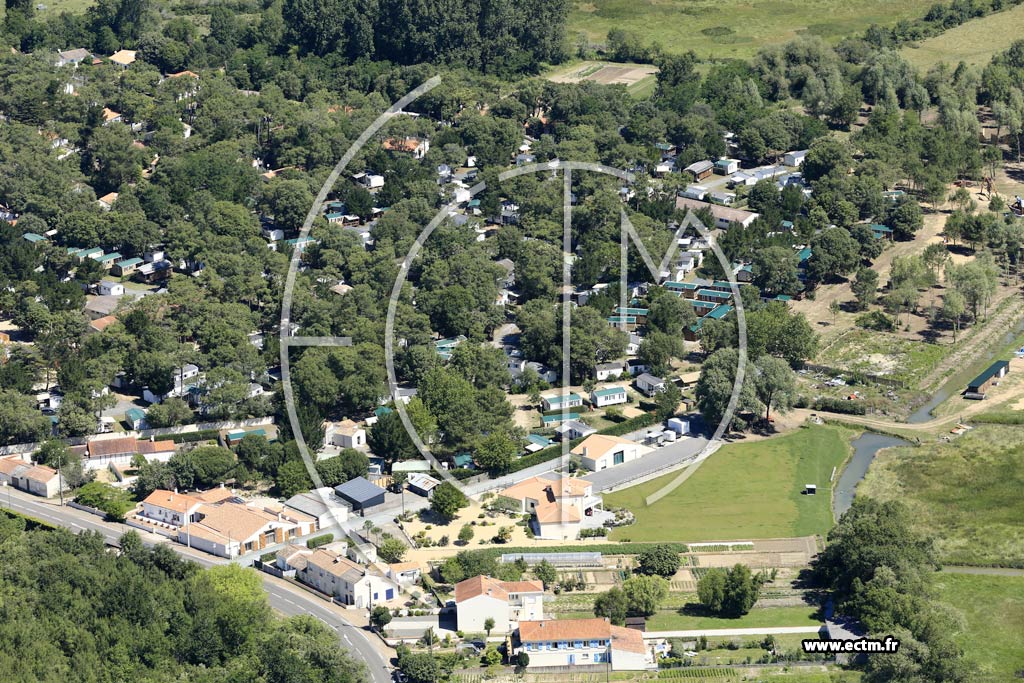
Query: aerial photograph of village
511,341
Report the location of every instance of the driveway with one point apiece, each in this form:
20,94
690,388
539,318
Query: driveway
660,459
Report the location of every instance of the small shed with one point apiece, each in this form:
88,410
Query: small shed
701,169
464,461
135,418
726,166
637,623
810,489
422,484
881,232
360,494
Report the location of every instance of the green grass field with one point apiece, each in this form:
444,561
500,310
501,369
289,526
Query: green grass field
967,492
734,28
743,492
974,42
993,608
767,617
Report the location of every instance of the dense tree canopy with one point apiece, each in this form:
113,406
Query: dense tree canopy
175,621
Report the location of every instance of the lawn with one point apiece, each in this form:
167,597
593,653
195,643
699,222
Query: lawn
993,607
743,492
966,492
735,28
767,617
974,42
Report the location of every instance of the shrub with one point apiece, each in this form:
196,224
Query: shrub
838,405
318,541
113,501
191,437
876,320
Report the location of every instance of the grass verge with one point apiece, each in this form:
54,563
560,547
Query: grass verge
993,609
966,492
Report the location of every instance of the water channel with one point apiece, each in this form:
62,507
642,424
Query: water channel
865,447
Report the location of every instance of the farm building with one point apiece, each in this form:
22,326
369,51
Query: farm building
422,484
599,452
360,493
980,384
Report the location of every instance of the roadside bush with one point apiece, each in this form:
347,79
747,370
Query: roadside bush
190,437
318,541
599,532
113,501
838,405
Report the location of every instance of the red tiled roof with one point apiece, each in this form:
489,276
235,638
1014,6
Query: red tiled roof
628,639
564,629
169,500
99,448
150,447
479,585
103,323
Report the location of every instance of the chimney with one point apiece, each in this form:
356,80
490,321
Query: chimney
585,449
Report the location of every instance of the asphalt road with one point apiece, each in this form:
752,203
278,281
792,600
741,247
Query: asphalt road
659,459
281,595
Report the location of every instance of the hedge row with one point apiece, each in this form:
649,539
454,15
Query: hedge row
189,437
318,541
603,548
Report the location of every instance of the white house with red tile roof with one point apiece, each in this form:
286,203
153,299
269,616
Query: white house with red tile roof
507,602
583,642
27,476
558,505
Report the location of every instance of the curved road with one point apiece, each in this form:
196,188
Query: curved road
282,596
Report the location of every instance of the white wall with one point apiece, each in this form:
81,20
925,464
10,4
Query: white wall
474,612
